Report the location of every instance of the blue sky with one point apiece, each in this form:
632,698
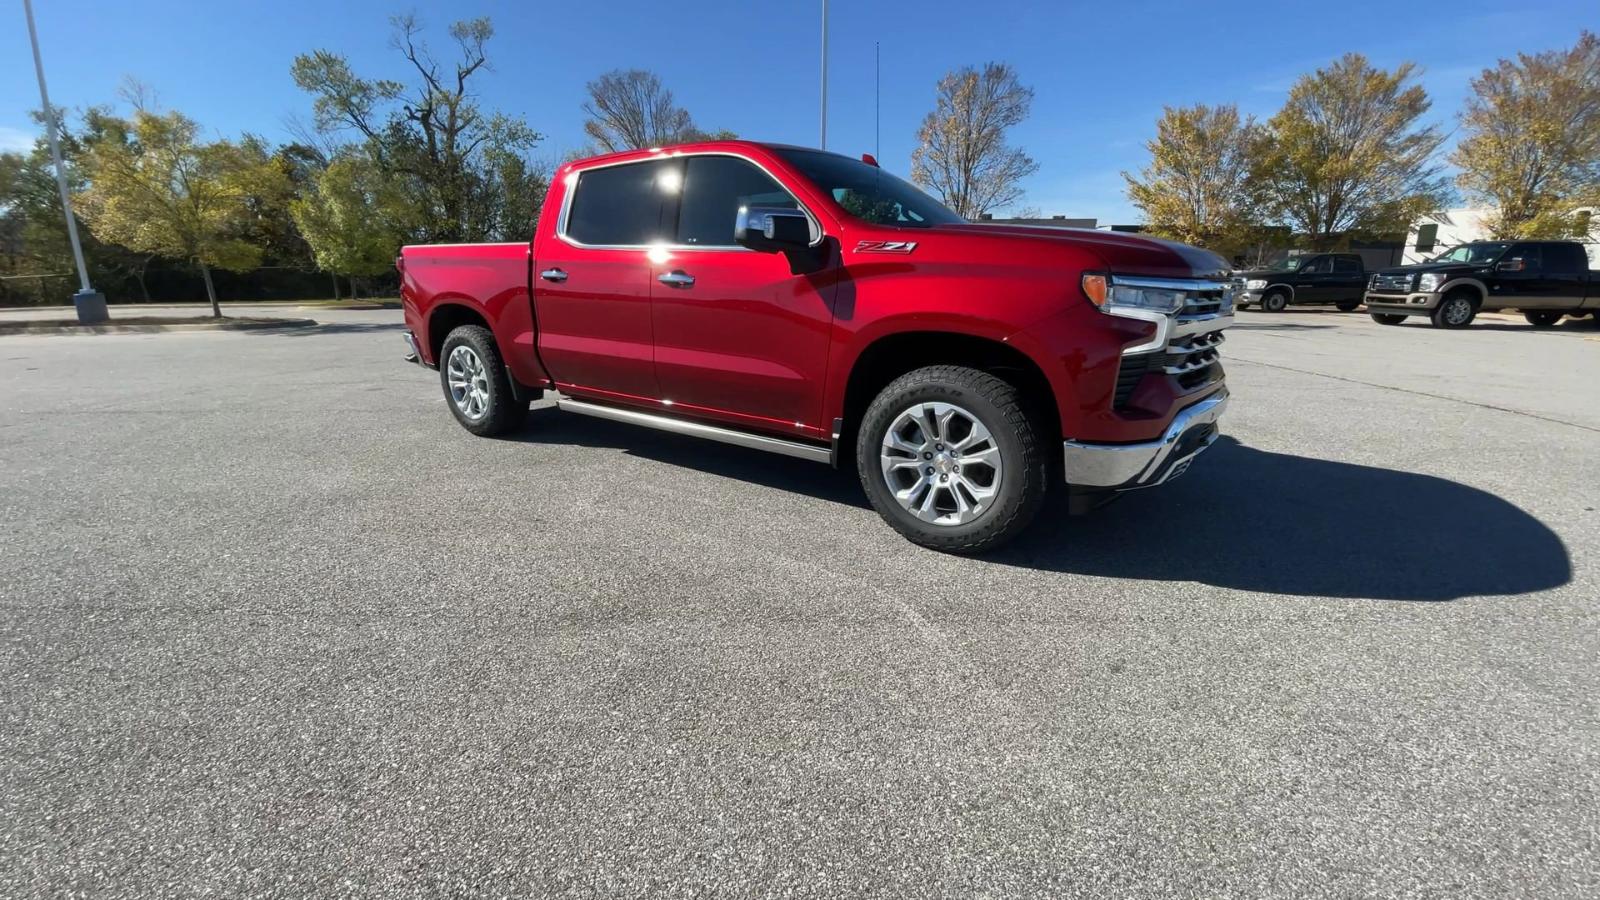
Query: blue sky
1101,72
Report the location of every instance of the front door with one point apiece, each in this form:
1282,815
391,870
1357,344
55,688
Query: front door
1520,280
592,282
1311,281
738,337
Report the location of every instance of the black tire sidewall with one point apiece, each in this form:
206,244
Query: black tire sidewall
1387,318
505,413
1022,482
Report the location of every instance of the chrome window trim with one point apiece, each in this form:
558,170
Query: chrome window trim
571,191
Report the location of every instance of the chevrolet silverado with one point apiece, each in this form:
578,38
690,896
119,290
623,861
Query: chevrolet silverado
813,305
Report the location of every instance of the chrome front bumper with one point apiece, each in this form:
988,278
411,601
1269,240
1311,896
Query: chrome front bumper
1121,467
1411,303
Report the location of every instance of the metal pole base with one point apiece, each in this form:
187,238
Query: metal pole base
91,307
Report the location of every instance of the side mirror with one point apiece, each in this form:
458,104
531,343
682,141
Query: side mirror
771,229
1511,265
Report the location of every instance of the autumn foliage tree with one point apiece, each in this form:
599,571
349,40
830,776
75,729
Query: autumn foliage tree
1531,141
1348,153
962,154
459,161
156,188
1201,186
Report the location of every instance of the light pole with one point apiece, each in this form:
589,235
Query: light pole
824,139
91,305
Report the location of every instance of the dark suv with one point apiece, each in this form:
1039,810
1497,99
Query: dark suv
1544,279
1336,278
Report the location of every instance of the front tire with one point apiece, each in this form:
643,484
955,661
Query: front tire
1542,318
1455,311
1387,318
951,459
1275,301
475,384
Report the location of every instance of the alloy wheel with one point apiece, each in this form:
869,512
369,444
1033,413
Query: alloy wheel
469,382
941,463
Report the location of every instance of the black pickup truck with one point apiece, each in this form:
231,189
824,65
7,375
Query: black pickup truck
1544,279
1336,278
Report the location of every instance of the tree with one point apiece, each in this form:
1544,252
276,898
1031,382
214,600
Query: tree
1201,186
433,135
1347,152
1531,145
632,110
355,217
155,189
962,153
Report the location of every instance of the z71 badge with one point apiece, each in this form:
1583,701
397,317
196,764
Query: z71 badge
886,246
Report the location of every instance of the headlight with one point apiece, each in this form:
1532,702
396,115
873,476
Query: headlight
1430,281
1256,284
1103,292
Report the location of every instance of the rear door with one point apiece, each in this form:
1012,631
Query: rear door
1566,269
1349,279
738,337
592,281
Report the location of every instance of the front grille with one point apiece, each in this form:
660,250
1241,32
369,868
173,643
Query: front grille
1201,303
1193,358
1399,283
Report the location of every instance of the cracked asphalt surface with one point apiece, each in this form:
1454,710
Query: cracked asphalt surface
274,625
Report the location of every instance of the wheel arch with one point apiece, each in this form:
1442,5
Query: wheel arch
1473,285
446,317
892,355
1287,288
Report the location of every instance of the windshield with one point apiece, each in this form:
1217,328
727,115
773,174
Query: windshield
1472,253
867,192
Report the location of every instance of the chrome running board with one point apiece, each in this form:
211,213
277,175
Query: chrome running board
697,429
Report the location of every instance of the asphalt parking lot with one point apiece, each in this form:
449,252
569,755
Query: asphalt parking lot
275,625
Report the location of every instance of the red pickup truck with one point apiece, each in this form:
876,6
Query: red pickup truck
811,304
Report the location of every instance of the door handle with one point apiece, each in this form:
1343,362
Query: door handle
677,278
555,275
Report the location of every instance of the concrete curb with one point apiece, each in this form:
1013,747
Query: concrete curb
113,327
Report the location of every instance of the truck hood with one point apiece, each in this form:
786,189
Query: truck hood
1129,254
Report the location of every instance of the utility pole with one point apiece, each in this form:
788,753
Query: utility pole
91,305
824,139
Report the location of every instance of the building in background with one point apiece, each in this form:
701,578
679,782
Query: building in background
1433,235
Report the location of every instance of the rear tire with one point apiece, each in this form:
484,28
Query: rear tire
476,387
1455,311
1275,301
1387,318
911,467
1542,318
1348,305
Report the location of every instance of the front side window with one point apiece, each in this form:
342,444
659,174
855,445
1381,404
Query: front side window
1529,254
623,205
714,188
868,192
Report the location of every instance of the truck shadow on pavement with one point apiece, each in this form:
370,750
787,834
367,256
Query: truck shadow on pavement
1283,524
1244,518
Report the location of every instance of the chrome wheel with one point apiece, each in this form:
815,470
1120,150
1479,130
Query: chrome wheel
941,464
1457,311
468,381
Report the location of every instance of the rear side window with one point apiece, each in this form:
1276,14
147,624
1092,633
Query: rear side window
714,187
1343,265
1565,259
623,205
